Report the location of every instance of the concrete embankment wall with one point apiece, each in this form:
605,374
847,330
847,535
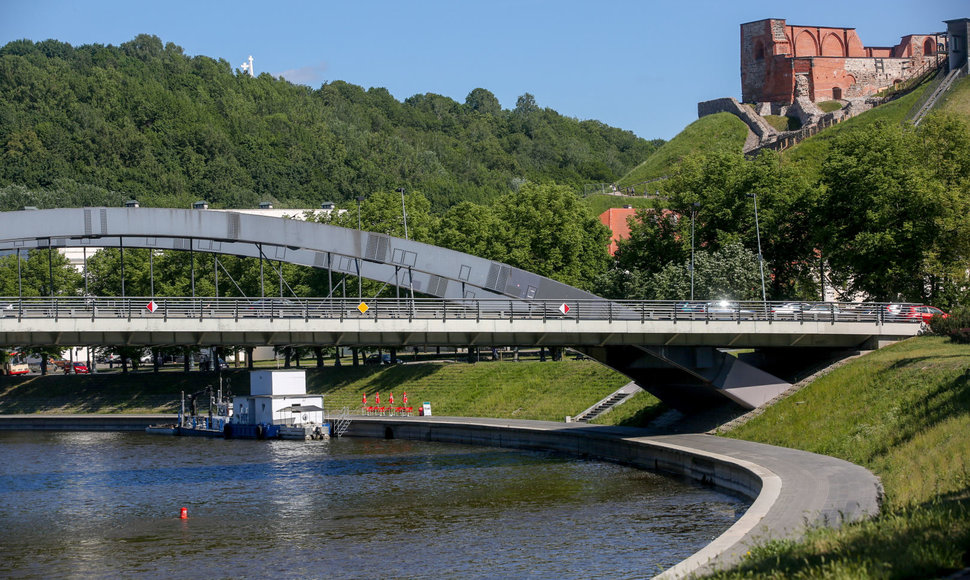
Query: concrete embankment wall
92,422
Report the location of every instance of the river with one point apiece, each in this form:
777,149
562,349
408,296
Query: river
95,505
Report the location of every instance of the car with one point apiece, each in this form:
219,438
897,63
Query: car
78,368
275,307
789,308
381,359
926,313
920,312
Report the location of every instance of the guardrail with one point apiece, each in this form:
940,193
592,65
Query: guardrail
430,309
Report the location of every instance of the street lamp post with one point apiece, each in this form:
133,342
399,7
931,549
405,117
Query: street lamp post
761,260
404,212
360,288
693,216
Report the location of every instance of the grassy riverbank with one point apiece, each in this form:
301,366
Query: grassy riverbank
904,413
525,390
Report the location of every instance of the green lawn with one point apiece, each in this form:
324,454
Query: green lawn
527,389
829,106
904,413
957,100
601,203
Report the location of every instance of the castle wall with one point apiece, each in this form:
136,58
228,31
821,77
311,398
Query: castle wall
781,62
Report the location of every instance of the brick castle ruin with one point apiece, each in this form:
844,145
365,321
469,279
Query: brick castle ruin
780,62
788,69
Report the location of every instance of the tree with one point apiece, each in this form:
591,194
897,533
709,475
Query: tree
36,268
884,214
483,101
474,229
551,232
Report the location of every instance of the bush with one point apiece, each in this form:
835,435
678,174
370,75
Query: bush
956,326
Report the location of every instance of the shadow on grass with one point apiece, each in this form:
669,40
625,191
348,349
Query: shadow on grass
926,541
906,362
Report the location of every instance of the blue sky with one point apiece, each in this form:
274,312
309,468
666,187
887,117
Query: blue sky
638,65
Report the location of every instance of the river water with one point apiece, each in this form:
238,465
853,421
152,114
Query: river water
97,505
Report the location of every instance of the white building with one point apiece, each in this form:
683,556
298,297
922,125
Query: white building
278,397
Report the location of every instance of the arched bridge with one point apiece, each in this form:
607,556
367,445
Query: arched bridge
673,350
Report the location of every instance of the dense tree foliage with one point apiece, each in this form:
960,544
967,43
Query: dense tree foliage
95,124
885,221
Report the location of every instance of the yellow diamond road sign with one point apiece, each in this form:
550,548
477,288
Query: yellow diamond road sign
363,307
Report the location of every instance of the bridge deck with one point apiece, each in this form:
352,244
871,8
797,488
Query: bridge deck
402,322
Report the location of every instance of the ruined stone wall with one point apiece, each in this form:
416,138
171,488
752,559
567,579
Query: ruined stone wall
781,62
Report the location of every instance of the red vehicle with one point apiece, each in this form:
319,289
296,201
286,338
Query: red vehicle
78,368
921,311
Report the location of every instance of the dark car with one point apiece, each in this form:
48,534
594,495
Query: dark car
381,359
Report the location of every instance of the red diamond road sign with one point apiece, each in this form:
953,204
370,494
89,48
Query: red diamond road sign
564,309
151,306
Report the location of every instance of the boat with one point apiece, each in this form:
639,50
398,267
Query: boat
164,429
277,408
213,418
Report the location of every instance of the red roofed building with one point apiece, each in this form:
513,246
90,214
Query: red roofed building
617,219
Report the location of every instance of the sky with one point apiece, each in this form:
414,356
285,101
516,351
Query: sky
639,65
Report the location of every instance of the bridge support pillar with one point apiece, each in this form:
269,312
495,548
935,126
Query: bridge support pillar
691,379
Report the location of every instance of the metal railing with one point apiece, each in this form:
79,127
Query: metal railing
437,309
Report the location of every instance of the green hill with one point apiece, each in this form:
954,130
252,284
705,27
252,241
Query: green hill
720,132
903,412
958,99
528,389
99,124
811,153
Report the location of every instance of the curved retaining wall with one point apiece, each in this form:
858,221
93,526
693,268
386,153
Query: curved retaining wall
789,489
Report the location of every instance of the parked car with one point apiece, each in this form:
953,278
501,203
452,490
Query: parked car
381,359
78,368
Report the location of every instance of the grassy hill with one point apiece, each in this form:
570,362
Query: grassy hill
904,413
811,153
958,99
526,390
720,132
600,203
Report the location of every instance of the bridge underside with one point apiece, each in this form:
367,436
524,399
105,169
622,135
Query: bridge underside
689,376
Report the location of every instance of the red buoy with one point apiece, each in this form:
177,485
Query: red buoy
184,514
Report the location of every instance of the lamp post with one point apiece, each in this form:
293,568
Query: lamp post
693,216
404,212
360,289
761,260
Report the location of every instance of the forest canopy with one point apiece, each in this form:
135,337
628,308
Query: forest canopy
143,120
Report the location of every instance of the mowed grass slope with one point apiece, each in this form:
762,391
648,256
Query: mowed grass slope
524,390
720,132
904,413
957,100
811,153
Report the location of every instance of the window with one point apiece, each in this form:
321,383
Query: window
759,51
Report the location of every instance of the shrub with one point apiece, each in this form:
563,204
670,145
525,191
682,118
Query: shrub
956,326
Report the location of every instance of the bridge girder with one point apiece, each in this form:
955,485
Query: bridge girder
427,269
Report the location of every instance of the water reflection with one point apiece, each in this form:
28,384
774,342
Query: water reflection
106,504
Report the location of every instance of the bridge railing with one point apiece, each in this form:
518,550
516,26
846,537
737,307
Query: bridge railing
430,308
